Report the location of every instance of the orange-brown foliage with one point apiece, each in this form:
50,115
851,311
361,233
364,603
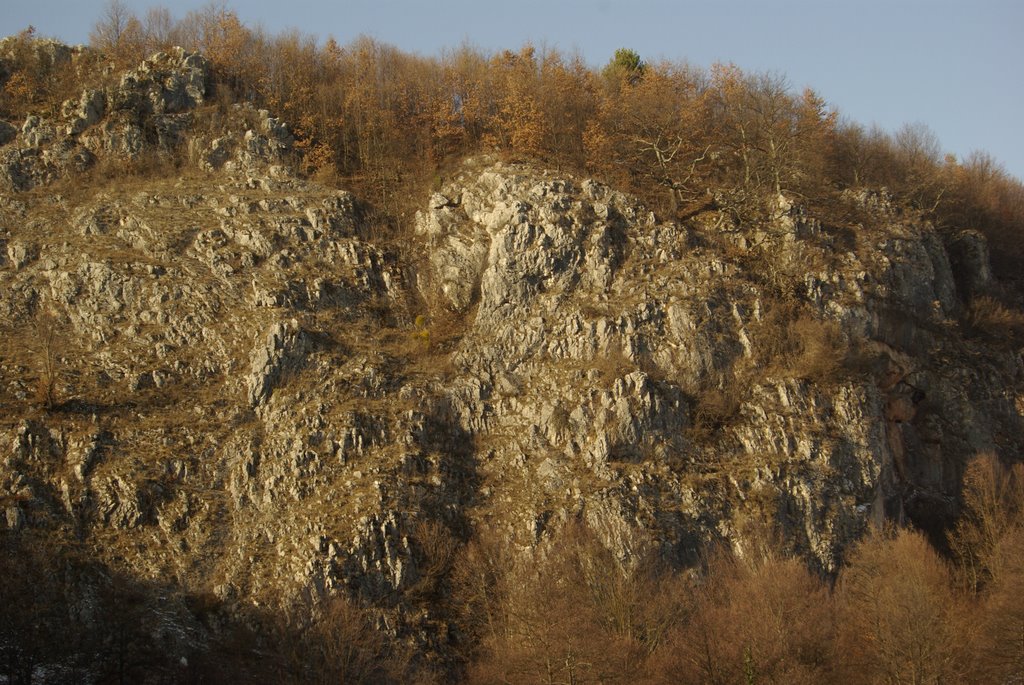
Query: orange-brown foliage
387,121
899,618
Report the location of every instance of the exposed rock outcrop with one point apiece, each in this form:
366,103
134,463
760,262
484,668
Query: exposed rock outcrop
154,109
281,353
251,397
605,365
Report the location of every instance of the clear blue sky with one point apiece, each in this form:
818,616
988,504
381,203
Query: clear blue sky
953,65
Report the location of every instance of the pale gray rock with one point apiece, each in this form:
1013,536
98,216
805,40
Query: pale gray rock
159,95
118,503
218,153
36,131
86,111
282,351
49,53
84,455
166,83
22,254
17,168
14,517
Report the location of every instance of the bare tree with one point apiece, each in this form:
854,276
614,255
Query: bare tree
999,650
898,617
159,29
993,497
575,615
109,30
759,619
47,347
919,162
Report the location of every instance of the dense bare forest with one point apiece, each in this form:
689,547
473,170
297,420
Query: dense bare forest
908,606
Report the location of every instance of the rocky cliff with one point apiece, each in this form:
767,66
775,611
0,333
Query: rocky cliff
225,380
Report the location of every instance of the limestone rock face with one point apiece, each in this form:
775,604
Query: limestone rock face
601,344
282,351
230,365
154,109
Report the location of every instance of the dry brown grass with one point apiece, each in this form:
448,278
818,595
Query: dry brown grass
819,349
612,365
989,317
714,408
795,343
424,346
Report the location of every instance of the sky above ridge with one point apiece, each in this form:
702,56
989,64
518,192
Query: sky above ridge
952,65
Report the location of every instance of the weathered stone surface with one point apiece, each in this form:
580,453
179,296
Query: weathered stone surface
120,503
568,276
151,109
86,111
22,254
282,352
242,374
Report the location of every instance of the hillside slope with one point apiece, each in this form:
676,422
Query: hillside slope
223,382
